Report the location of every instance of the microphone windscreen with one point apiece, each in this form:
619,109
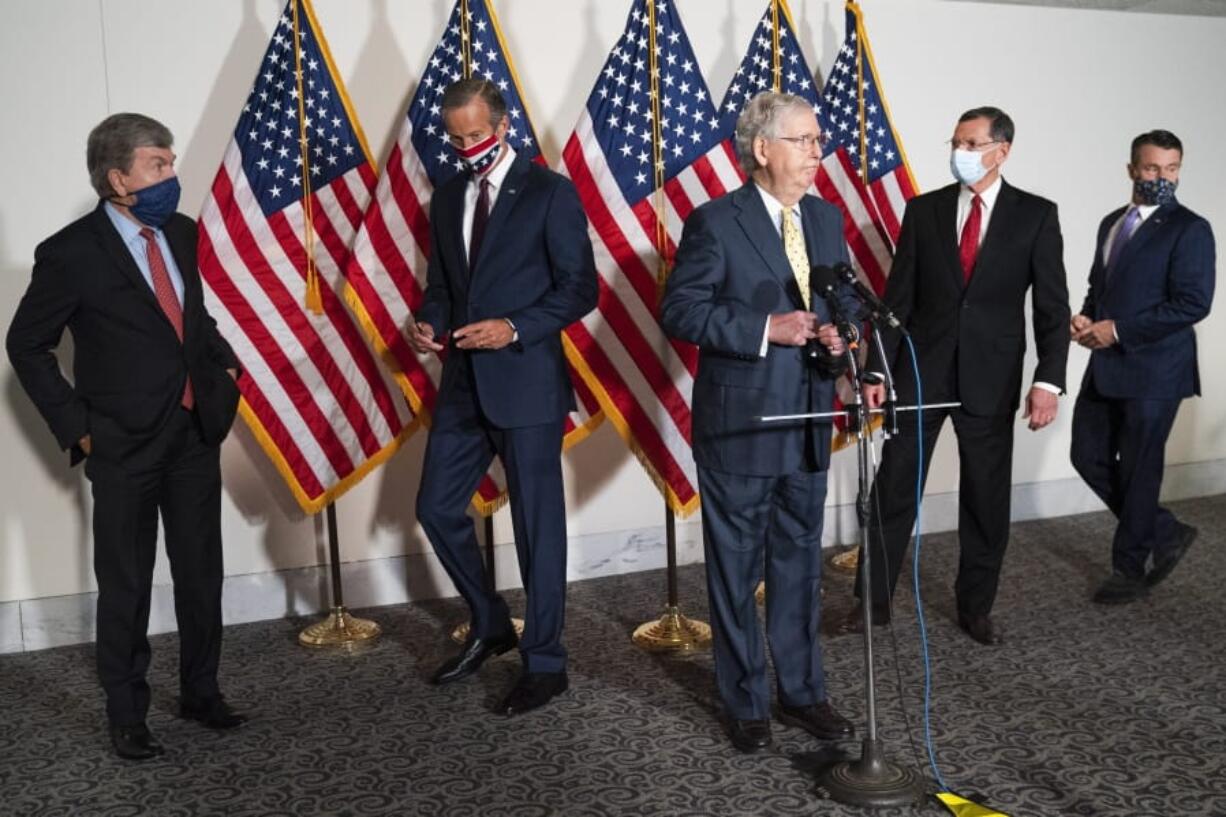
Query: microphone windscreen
823,278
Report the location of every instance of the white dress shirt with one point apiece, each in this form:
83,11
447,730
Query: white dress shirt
495,177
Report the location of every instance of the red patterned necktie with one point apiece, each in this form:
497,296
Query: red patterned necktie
164,291
968,247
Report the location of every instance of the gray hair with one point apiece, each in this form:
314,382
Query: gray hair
761,118
113,142
461,92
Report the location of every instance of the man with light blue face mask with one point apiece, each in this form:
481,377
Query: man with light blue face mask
1151,280
153,394
967,256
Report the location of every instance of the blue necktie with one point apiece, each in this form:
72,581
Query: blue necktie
1121,238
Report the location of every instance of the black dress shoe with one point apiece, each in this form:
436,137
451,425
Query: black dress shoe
853,622
533,690
750,736
135,742
1120,589
472,655
819,720
213,713
981,629
1164,564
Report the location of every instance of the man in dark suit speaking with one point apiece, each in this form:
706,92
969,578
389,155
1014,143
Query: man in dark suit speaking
740,291
967,255
510,266
152,398
1151,280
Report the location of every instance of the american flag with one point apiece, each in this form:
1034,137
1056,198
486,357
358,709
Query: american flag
388,268
872,213
313,393
644,380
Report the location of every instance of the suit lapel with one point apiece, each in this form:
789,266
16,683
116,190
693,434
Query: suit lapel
1142,236
947,229
184,252
1003,214
451,214
762,235
508,197
118,252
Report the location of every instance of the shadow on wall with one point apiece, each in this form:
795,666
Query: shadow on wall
203,154
379,53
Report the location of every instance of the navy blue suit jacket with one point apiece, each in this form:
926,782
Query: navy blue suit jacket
1161,285
731,275
535,267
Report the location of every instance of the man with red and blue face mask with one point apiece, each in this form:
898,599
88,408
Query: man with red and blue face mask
510,266
1151,281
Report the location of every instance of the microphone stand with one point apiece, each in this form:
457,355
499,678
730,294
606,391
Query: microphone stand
872,781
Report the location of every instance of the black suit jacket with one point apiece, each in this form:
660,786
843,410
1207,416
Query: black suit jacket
970,339
535,267
731,275
129,368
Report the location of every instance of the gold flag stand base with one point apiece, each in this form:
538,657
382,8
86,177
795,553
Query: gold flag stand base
460,634
672,632
339,629
848,560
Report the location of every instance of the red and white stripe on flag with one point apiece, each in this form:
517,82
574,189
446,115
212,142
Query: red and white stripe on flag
387,271
313,393
644,380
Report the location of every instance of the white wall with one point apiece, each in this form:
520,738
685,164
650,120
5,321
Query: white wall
1075,82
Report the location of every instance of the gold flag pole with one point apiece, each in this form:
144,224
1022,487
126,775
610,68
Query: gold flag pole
339,629
777,87
672,632
461,631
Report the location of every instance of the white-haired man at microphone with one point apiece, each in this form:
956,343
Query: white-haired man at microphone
741,291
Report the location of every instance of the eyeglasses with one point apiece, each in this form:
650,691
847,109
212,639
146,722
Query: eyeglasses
807,141
979,147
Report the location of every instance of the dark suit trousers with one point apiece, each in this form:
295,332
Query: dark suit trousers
985,454
461,446
1119,449
744,518
177,475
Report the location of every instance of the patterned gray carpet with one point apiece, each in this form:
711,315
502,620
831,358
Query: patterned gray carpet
1083,711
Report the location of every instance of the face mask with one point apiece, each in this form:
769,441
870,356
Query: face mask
156,203
967,165
480,157
1154,191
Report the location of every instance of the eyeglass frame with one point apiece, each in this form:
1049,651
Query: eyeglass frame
806,141
981,147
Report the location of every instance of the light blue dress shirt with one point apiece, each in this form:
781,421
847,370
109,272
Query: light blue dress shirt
129,231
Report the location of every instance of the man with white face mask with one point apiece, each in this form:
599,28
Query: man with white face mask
1151,281
967,255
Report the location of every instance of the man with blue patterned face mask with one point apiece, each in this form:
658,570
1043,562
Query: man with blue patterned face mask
1151,281
968,254
153,395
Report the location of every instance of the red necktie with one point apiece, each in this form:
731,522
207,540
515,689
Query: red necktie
164,291
481,216
968,247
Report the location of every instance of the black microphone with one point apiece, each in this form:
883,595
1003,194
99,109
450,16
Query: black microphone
877,310
824,282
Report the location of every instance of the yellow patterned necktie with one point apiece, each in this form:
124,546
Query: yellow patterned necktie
794,246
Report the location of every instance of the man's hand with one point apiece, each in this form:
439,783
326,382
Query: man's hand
1041,407
828,336
792,328
1098,335
874,394
1077,323
421,338
490,334
85,444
